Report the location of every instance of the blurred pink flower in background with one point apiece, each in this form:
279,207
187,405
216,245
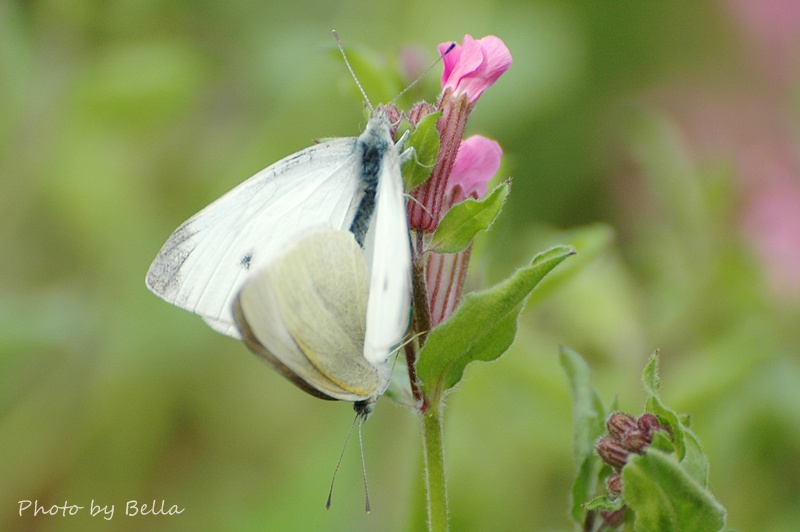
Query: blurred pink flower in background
769,158
774,27
752,130
753,125
770,216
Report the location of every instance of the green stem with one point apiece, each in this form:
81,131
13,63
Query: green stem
435,482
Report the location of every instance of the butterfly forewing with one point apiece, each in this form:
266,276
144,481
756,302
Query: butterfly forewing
203,264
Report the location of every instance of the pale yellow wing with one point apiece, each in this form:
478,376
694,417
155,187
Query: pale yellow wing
305,313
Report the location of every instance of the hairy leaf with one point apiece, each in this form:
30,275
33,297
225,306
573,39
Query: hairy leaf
482,328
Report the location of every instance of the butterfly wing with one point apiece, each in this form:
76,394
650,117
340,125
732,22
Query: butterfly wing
204,263
388,250
304,313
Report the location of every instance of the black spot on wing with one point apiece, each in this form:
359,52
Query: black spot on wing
247,260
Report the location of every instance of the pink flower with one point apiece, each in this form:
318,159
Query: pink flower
771,214
477,161
468,71
473,67
462,170
774,27
444,277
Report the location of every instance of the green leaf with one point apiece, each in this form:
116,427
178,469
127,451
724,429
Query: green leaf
695,461
668,417
425,142
652,382
461,223
650,378
602,502
665,497
687,445
482,328
662,441
588,414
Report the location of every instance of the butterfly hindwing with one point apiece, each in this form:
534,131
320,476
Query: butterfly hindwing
306,310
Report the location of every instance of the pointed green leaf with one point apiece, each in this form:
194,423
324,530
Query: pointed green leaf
650,378
461,223
482,328
664,497
687,445
602,502
695,461
588,414
583,487
662,441
425,142
668,417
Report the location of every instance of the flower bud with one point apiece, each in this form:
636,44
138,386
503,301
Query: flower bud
612,452
620,423
419,111
615,518
648,423
614,483
636,441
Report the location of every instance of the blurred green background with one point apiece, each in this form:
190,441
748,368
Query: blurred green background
675,123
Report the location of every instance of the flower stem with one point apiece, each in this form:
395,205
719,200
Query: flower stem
435,481
422,316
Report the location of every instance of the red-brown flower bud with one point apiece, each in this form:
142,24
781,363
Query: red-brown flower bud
612,452
615,518
636,441
648,423
614,483
619,424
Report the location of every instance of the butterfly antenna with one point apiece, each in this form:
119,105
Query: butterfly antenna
363,461
336,470
413,83
350,68
414,337
418,202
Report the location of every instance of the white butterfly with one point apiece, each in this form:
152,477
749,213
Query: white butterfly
232,255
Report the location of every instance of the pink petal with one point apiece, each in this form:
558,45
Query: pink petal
475,66
477,161
461,61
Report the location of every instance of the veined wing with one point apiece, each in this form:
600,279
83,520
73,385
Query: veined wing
204,263
304,313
